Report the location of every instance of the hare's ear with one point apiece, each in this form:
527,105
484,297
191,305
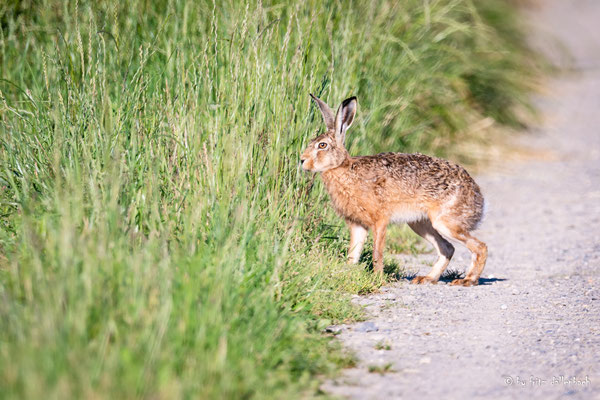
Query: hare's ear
326,112
344,118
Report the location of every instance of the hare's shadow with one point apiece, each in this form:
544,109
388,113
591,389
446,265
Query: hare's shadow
395,272
482,281
451,274
490,281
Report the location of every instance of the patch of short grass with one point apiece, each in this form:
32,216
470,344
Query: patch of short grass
383,346
381,369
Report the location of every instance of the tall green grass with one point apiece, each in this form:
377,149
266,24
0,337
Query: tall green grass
158,237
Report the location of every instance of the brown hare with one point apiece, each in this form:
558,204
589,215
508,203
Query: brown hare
438,199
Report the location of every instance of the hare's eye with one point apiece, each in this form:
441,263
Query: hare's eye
322,145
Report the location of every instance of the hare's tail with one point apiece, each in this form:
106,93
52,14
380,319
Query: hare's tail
484,212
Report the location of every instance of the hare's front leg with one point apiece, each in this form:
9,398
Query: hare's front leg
358,236
378,244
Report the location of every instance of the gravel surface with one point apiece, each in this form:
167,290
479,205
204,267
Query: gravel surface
532,327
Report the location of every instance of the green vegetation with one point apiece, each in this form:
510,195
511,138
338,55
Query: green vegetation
158,239
383,346
381,369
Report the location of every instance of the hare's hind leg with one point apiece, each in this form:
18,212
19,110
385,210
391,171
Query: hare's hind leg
477,248
444,249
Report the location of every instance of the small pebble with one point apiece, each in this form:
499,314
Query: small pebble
367,327
333,329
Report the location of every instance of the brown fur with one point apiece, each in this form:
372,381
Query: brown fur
437,198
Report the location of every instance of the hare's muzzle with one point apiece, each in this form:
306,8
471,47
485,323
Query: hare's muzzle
306,163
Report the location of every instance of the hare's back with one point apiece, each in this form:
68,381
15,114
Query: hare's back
424,181
418,173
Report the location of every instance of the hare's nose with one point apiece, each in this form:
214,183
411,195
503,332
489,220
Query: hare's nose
302,160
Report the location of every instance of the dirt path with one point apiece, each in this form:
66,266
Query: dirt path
532,329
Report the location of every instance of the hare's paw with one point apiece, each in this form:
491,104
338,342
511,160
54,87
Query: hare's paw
464,282
420,280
